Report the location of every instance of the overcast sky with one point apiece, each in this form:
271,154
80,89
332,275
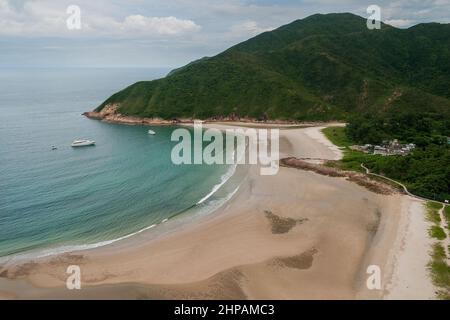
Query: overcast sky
166,33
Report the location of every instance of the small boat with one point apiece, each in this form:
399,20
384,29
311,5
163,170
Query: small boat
83,143
151,132
54,148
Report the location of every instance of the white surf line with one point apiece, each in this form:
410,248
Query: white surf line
43,253
223,179
229,174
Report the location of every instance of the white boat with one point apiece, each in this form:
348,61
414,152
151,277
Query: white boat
151,132
83,143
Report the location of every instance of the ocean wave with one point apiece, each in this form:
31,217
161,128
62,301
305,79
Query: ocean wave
212,206
73,248
223,179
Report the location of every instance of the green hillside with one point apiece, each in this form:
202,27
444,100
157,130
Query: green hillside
320,68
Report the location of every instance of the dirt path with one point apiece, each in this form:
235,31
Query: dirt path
398,183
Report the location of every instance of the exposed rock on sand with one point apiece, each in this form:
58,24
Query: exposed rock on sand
359,178
235,253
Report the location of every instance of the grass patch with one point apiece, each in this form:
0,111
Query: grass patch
352,159
437,233
434,205
337,136
440,271
447,216
447,212
432,212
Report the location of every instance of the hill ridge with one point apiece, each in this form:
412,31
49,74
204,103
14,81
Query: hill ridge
323,67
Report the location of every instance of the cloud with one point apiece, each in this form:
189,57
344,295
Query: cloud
167,33
400,23
405,13
163,26
248,28
49,19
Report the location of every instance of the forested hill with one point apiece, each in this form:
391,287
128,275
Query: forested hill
320,68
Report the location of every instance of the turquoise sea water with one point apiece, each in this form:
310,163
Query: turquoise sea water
77,197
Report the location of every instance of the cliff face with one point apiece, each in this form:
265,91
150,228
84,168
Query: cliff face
324,67
105,113
110,114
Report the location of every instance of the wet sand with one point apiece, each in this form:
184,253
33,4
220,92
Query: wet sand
296,235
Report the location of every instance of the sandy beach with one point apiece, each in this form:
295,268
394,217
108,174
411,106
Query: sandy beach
409,278
295,235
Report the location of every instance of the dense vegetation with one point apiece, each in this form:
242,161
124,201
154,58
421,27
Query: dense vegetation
447,215
426,171
421,128
388,83
319,68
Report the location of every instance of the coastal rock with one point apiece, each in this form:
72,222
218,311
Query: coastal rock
110,114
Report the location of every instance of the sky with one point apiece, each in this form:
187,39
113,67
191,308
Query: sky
165,33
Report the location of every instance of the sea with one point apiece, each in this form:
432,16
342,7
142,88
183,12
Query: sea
69,199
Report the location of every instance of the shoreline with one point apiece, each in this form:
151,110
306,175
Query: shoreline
110,114
202,207
261,244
